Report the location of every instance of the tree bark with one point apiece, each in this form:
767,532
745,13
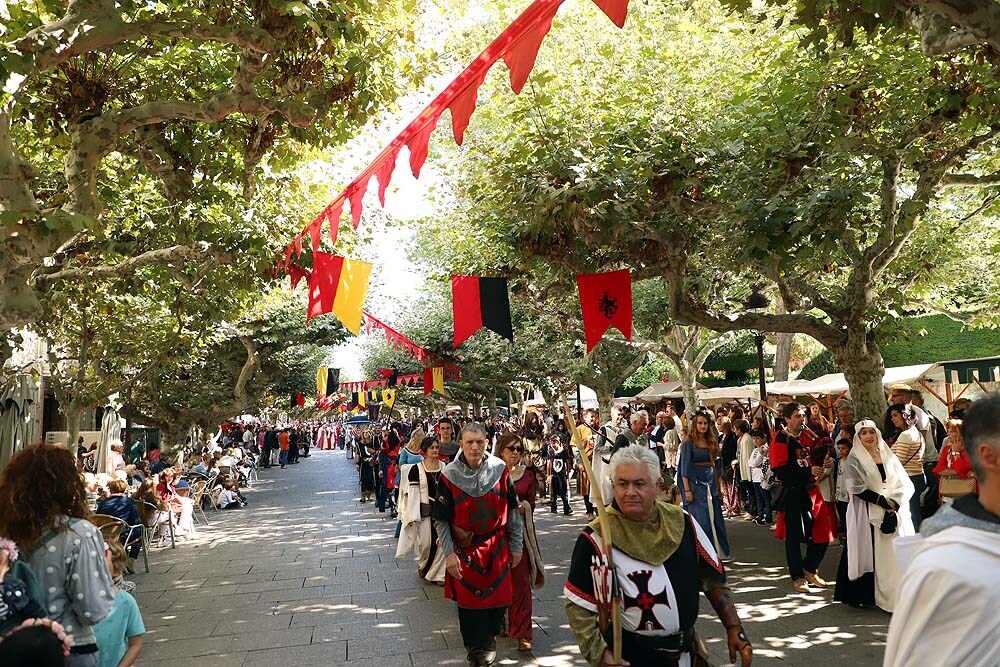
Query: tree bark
863,367
72,413
605,400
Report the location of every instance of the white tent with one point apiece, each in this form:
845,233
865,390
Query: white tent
718,395
659,391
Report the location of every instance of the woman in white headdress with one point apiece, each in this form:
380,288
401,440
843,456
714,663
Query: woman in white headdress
877,513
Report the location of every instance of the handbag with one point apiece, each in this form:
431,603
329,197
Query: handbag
461,537
889,523
953,486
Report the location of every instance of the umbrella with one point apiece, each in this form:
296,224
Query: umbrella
111,430
17,428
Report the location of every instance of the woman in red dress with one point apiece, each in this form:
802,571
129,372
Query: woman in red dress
510,449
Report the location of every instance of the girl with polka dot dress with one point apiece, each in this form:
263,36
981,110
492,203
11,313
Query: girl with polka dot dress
43,509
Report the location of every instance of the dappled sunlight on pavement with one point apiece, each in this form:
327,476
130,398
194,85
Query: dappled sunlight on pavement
306,575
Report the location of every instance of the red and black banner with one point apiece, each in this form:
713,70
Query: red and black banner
478,303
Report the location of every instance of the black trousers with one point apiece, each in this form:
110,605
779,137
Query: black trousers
919,484
480,627
796,503
559,490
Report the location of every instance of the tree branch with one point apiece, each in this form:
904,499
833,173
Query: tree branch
97,25
93,139
199,251
250,367
947,25
971,180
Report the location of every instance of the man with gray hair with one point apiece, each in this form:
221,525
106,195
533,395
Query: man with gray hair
478,525
635,434
945,612
662,561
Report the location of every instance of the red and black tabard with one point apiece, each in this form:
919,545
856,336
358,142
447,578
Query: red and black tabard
485,562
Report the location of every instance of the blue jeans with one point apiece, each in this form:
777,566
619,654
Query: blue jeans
283,457
763,502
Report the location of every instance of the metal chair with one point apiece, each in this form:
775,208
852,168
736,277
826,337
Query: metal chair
150,529
198,492
112,528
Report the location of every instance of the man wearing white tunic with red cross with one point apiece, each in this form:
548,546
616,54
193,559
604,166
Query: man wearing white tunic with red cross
479,527
662,560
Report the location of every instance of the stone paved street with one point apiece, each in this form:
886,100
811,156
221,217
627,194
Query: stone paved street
306,576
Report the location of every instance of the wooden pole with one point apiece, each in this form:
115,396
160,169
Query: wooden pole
602,516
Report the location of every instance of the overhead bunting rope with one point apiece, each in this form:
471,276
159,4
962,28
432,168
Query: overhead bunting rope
517,45
398,341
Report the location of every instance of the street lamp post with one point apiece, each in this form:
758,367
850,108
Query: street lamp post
758,339
757,302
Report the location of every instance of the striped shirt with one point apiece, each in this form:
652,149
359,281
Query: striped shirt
909,449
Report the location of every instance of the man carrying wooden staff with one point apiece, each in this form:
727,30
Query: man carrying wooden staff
658,561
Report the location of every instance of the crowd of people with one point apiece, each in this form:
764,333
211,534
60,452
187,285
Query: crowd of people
465,494
914,501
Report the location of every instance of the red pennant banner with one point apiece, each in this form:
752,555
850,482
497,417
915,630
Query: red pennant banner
517,45
297,273
606,301
397,340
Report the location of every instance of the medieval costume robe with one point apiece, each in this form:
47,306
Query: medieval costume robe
803,517
417,493
662,565
476,517
869,550
946,608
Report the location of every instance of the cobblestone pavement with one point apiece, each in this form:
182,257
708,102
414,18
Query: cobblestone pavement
306,575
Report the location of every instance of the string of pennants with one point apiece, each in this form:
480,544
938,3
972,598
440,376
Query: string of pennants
339,285
517,46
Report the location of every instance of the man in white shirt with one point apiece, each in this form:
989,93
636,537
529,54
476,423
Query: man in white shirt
945,612
675,418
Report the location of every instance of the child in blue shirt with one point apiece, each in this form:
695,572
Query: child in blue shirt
119,635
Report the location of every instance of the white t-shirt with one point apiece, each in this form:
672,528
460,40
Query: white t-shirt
227,497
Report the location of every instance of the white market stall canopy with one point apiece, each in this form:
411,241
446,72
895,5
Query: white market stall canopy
943,373
659,391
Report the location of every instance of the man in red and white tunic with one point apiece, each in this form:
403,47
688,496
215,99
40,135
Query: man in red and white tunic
479,527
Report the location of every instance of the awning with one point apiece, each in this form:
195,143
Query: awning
659,391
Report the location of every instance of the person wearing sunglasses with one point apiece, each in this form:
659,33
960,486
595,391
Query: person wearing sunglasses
530,572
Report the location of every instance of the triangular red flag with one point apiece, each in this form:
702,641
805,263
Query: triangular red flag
606,301
384,174
617,10
520,56
297,273
357,195
332,213
315,228
418,144
463,105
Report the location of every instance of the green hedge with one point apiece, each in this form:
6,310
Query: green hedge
922,340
